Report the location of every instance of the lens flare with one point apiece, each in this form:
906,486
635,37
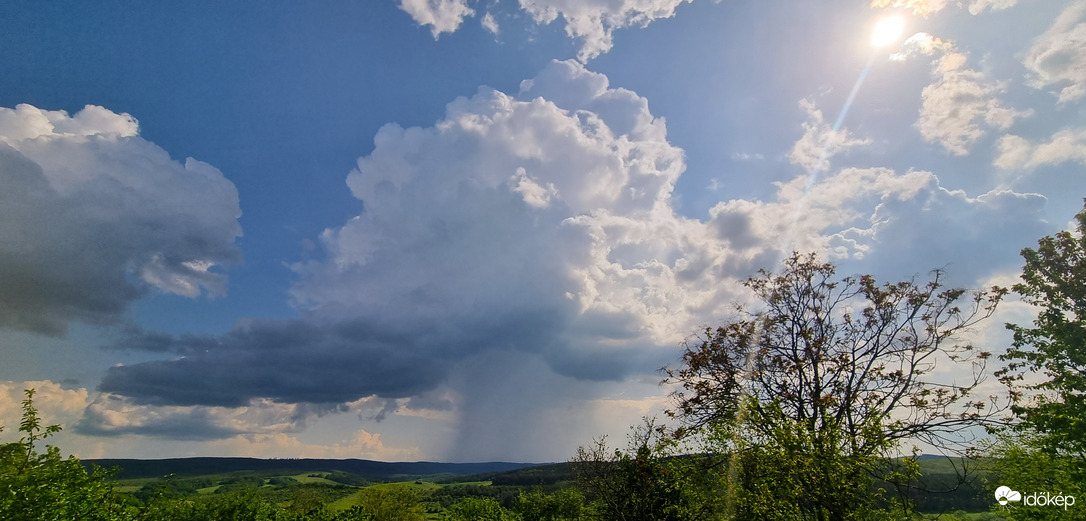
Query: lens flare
887,31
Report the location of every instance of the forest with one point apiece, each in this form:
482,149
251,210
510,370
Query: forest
808,406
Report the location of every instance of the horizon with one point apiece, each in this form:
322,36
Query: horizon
467,231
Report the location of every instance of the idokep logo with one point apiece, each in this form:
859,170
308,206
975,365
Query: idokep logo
1006,495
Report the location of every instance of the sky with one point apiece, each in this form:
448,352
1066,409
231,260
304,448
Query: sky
457,230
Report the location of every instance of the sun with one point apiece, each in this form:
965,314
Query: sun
887,31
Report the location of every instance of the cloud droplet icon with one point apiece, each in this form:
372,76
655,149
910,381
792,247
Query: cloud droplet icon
1005,495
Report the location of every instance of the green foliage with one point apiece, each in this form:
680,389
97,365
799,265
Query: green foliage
391,503
1046,449
562,505
42,485
648,481
477,509
447,496
1054,282
236,483
1025,463
347,478
805,475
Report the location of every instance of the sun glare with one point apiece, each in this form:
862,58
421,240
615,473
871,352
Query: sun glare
887,31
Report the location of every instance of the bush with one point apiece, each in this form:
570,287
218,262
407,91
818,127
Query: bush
45,486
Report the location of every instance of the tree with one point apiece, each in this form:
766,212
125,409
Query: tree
477,509
566,504
1046,370
649,480
814,391
1054,282
45,486
391,503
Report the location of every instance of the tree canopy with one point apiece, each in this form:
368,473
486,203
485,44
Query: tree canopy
1054,282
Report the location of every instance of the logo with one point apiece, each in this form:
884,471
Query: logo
1006,495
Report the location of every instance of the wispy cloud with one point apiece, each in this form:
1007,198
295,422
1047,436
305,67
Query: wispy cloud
1058,57
820,141
490,24
920,7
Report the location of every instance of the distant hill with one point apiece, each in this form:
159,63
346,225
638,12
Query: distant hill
372,470
543,474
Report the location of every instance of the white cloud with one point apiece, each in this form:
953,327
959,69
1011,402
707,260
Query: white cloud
56,403
902,224
112,415
592,23
595,22
1058,57
1016,152
88,183
490,24
962,104
930,7
361,445
443,16
922,43
920,7
820,141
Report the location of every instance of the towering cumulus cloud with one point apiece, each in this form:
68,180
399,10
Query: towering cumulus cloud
528,234
538,223
92,216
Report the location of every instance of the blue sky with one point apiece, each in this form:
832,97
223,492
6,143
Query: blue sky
463,231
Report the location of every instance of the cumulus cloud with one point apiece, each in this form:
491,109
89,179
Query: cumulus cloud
443,16
56,403
929,7
1058,57
485,231
962,104
820,141
535,224
595,22
92,216
1017,152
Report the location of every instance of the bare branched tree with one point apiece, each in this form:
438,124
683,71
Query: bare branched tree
841,355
